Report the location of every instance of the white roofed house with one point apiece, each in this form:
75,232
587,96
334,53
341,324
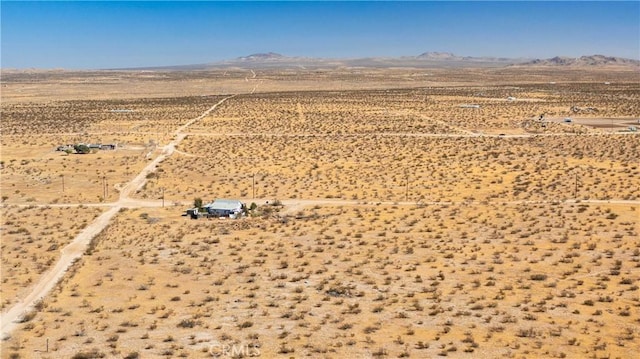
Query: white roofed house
224,208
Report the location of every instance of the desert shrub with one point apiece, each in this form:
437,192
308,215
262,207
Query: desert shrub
82,149
94,353
197,202
188,323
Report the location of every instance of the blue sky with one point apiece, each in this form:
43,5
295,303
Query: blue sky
112,34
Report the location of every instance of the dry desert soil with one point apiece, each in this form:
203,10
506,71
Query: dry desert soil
413,213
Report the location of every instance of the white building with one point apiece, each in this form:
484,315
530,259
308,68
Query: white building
224,207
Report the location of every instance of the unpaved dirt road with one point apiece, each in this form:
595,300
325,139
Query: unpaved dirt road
69,254
74,250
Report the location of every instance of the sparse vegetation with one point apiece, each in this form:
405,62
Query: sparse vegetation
392,229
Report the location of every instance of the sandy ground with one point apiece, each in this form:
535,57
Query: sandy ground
507,238
74,250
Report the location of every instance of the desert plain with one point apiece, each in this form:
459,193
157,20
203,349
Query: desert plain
403,212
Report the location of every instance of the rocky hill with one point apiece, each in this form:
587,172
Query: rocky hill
262,57
593,60
443,56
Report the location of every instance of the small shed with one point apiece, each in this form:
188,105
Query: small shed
193,213
224,207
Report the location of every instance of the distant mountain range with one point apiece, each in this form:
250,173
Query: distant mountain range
594,60
430,59
426,59
262,57
447,56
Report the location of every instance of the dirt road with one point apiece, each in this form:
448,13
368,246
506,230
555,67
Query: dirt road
69,254
74,250
167,151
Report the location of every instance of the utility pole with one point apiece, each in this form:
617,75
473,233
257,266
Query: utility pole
104,188
254,185
575,189
406,195
62,183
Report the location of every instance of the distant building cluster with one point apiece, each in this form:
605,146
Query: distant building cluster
86,147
